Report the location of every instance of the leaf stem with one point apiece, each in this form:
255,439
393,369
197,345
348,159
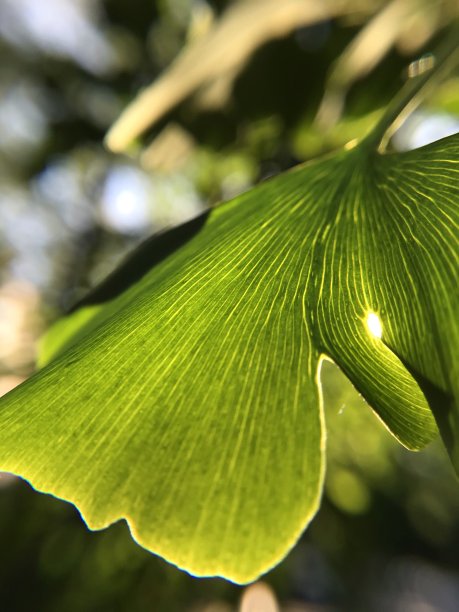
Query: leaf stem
413,93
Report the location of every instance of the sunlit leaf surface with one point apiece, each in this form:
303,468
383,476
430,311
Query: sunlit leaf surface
189,404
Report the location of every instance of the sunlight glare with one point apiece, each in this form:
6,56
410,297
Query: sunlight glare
374,326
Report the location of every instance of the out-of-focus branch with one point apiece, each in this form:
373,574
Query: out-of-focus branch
223,51
387,29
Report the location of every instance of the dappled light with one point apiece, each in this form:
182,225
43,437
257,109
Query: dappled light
61,27
423,127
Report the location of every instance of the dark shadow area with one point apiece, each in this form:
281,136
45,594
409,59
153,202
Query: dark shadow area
148,254
441,404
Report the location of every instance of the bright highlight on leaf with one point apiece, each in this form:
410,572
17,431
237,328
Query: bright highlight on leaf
189,404
373,323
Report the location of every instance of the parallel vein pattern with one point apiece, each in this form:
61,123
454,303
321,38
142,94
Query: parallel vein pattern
190,404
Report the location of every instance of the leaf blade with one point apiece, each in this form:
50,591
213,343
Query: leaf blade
199,416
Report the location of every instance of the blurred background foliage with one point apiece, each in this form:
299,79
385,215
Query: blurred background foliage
288,88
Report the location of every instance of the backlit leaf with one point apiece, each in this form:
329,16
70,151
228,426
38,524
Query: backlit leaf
190,405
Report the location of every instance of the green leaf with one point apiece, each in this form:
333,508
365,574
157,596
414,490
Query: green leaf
189,404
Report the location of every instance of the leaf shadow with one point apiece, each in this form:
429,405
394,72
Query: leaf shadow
141,260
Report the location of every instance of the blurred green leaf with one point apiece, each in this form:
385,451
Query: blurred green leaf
189,404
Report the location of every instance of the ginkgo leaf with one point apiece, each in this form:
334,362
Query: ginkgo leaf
190,405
